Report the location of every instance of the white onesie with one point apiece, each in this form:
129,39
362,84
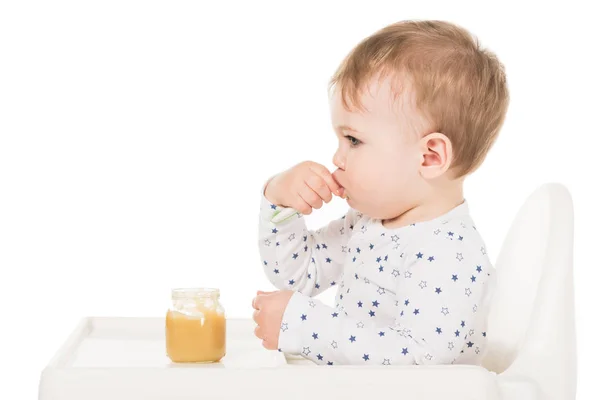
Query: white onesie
418,294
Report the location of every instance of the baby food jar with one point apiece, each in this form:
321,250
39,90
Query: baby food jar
195,326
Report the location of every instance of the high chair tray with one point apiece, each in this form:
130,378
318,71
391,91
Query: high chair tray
125,358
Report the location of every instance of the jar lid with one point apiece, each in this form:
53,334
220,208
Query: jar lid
191,293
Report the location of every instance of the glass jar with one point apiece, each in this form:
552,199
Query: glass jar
195,326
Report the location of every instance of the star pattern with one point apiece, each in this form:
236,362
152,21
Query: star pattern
438,270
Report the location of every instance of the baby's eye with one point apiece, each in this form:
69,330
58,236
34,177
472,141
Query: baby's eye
353,141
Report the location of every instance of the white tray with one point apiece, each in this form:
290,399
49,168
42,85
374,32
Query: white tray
124,358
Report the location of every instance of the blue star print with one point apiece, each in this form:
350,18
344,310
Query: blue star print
416,263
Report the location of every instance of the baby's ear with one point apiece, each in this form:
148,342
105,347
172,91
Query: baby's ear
436,155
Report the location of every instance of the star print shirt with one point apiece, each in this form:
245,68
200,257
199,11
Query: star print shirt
417,294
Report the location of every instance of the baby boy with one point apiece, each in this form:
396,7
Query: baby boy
416,108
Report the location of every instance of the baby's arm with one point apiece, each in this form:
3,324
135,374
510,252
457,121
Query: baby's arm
297,259
438,294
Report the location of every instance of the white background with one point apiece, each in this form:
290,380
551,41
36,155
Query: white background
135,137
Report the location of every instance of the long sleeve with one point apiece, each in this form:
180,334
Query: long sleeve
297,259
437,296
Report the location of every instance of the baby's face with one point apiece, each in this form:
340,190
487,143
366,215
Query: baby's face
378,156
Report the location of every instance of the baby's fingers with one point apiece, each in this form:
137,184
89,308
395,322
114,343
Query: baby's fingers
327,178
300,205
318,185
310,197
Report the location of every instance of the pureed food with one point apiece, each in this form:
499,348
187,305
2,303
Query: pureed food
195,326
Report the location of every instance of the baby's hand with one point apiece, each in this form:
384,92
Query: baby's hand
269,309
302,187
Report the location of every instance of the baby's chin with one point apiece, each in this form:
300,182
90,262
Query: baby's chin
368,206
351,202
355,204
372,210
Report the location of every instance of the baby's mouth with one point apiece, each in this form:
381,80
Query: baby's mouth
343,194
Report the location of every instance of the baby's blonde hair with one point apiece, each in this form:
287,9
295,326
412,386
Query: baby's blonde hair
459,87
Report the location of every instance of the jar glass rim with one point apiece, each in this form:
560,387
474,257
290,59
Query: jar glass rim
197,292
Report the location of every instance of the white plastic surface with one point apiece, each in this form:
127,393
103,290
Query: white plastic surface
531,326
531,331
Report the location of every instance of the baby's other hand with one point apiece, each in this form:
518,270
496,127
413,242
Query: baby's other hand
269,309
303,187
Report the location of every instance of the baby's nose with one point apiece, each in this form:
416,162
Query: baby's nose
338,161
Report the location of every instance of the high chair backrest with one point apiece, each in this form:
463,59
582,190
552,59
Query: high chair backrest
531,326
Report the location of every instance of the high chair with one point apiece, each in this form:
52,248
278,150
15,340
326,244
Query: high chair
531,353
531,331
